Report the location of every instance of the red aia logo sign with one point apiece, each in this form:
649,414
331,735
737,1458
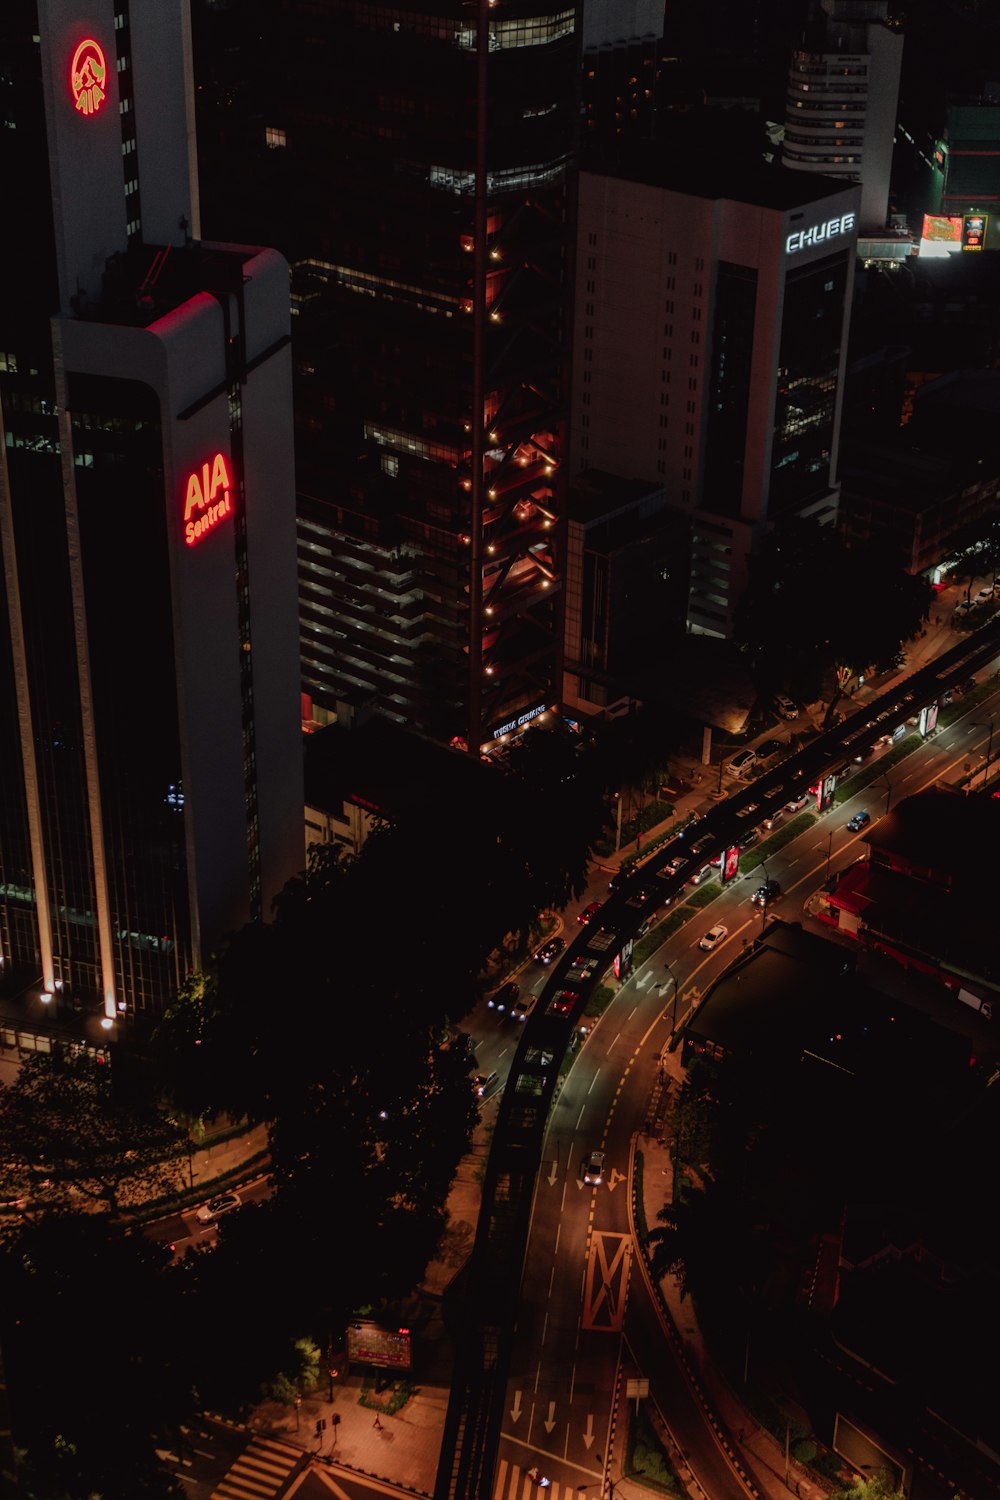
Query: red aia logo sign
208,500
87,75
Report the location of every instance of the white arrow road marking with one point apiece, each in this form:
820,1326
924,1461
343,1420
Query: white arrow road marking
553,1173
550,1421
588,1433
615,1178
515,1410
643,984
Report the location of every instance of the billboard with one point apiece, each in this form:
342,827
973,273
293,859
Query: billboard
942,228
941,234
623,960
973,231
928,718
823,790
730,863
387,1349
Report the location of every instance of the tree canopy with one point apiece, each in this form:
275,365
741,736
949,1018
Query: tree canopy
816,613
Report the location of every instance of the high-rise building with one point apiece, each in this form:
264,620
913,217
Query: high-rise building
151,796
843,91
710,348
418,161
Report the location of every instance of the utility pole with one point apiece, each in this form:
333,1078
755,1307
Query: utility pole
829,852
673,1008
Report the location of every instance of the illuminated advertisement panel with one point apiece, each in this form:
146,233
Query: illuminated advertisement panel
623,960
731,863
928,718
942,227
207,499
973,231
941,235
823,791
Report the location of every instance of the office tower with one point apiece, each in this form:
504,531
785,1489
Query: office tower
967,158
425,205
843,89
711,340
622,46
151,797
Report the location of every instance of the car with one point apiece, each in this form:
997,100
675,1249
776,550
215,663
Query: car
947,697
742,762
677,863
784,707
985,595
885,714
797,803
561,1003
705,873
775,819
617,880
968,684
774,791
537,1477
963,607
589,912
523,1006
504,997
751,807
713,937
767,748
766,893
212,1211
592,1170
550,950
749,839
860,820
483,1084
700,845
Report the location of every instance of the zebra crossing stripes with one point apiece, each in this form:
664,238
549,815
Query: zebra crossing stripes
261,1472
513,1483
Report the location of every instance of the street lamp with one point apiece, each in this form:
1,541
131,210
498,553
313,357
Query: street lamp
888,788
989,746
673,1009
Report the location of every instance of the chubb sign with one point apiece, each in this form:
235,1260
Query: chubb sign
208,499
817,234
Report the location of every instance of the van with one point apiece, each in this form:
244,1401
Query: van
742,762
775,819
784,707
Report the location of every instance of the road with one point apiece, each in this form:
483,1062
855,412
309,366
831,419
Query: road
580,1295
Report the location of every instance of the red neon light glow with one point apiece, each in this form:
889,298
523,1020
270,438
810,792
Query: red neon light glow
209,493
87,75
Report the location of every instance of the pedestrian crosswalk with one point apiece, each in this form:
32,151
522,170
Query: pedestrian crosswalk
516,1483
261,1472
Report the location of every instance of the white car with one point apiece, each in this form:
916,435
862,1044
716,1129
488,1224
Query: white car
523,1006
592,1170
713,937
797,803
212,1211
785,707
985,595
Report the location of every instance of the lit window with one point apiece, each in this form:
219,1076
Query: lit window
274,137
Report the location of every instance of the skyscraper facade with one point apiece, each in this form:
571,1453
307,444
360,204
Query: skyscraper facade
843,92
151,797
419,165
711,344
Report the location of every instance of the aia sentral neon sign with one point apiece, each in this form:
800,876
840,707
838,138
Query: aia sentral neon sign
208,499
818,234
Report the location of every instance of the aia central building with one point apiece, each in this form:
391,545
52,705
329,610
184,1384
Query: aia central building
151,797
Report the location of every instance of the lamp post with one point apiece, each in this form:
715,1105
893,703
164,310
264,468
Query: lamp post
888,788
989,746
673,1008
